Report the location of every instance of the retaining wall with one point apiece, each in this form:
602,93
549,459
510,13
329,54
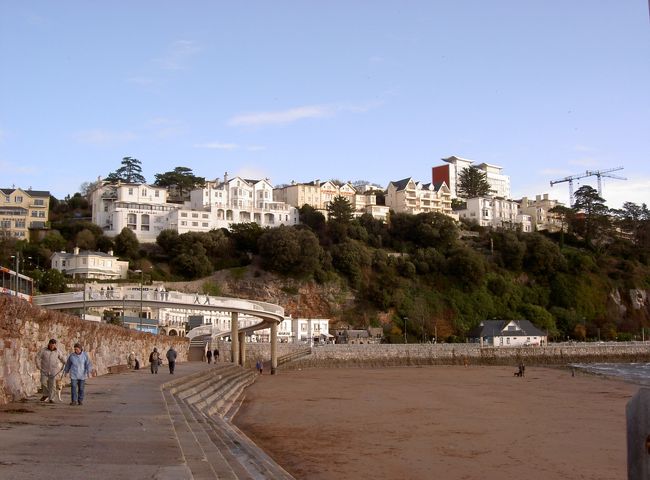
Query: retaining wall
446,354
26,329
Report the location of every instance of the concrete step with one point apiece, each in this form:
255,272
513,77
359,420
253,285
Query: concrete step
254,459
222,466
206,388
198,384
193,453
230,395
223,390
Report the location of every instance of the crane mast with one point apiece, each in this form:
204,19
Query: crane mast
589,173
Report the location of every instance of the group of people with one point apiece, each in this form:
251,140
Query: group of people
210,355
51,362
155,361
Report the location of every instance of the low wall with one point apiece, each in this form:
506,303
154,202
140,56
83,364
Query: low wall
446,354
26,329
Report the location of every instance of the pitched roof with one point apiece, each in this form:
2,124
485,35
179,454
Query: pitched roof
401,184
495,328
33,193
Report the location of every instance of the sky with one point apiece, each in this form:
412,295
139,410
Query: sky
304,90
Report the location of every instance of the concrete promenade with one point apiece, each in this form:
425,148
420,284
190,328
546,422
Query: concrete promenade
123,430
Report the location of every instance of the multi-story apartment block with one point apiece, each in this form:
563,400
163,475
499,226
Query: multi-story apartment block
410,196
220,204
23,211
88,264
450,173
319,194
496,212
540,212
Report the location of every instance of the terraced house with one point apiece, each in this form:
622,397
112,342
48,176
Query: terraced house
23,213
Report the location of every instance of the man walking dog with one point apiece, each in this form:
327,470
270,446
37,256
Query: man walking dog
49,362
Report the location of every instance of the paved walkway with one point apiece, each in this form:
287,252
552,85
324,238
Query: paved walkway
122,431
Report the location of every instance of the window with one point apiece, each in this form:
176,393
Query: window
195,215
20,223
184,214
144,223
19,199
204,224
5,224
144,192
39,201
205,215
195,224
157,193
131,220
130,190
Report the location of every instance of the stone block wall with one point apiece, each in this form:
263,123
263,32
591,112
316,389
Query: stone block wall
26,329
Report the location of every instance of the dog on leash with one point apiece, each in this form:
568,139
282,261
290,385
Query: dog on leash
59,387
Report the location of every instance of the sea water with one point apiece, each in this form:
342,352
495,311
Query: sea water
638,373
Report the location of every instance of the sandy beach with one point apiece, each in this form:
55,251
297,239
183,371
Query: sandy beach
439,423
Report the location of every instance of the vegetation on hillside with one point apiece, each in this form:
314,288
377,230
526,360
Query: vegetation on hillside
417,272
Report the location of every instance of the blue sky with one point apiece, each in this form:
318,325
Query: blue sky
301,90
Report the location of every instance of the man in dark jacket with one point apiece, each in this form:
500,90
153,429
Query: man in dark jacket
171,358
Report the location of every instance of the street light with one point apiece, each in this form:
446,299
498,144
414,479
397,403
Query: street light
141,272
405,320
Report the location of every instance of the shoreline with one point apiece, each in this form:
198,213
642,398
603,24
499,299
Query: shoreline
418,422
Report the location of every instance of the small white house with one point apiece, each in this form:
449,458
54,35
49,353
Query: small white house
507,333
88,264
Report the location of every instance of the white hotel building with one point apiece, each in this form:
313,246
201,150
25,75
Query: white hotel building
145,210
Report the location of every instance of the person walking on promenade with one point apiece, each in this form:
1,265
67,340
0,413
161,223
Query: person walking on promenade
130,360
216,355
209,356
154,360
79,367
259,366
49,362
171,358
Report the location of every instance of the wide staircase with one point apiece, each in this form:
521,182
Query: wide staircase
200,406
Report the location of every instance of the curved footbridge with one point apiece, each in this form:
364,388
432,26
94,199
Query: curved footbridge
270,315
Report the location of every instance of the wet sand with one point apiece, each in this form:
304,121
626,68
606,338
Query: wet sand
439,423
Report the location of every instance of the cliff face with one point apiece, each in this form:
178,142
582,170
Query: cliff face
298,298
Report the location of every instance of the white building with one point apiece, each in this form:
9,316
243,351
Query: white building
508,333
220,204
86,264
319,195
496,213
450,173
303,330
409,196
539,211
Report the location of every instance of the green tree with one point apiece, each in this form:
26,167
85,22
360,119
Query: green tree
340,210
246,236
85,240
127,244
472,183
53,281
182,178
566,216
290,251
312,218
129,172
54,241
592,205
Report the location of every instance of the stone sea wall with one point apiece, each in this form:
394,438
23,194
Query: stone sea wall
25,329
449,354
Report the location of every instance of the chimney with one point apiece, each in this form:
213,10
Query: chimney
225,177
110,252
76,250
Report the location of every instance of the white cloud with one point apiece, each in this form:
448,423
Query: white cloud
252,172
217,146
178,55
584,162
100,136
283,117
617,192
13,168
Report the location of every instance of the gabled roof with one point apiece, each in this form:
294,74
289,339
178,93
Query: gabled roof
495,328
439,185
33,193
401,184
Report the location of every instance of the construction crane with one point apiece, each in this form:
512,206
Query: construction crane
589,173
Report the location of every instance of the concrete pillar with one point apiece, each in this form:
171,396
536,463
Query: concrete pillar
274,347
234,338
638,435
242,349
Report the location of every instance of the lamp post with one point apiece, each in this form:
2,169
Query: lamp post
16,268
141,272
405,320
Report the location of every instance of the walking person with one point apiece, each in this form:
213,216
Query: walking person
49,362
209,356
154,360
259,366
79,367
216,355
130,360
171,359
